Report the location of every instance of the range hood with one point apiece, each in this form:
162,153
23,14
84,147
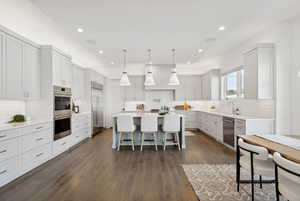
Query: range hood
161,74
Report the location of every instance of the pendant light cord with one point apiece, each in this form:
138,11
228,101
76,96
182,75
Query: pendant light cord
149,59
124,64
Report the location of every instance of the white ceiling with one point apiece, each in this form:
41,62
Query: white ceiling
161,25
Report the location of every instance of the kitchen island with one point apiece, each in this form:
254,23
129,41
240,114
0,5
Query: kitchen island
137,122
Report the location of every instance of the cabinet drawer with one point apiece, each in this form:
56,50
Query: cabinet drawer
36,139
35,128
8,134
9,170
9,148
62,145
35,157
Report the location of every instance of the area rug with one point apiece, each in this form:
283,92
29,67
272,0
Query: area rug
189,133
217,183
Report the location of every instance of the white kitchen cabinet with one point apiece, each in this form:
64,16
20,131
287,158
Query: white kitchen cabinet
9,170
13,73
136,90
259,72
78,83
189,88
31,72
62,70
20,69
210,85
81,127
2,77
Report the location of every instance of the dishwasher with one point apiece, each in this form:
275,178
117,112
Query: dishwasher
228,131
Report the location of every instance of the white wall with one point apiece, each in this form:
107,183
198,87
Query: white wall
280,35
10,108
295,80
24,18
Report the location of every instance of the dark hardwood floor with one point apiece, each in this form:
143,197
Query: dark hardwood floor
94,171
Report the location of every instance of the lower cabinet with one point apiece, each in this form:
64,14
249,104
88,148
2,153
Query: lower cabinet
61,145
9,170
211,125
35,157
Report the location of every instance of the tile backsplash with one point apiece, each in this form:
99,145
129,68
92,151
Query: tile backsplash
10,108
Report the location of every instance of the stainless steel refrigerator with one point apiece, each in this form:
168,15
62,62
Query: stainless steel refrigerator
97,107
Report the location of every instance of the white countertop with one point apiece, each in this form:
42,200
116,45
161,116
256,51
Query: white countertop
138,114
7,126
243,117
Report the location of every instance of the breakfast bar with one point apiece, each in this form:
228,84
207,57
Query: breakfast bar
137,121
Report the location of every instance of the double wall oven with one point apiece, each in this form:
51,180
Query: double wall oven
62,112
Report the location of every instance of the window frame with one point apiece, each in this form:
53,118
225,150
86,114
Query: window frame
240,83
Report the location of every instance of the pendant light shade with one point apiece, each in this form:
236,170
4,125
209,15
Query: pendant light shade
174,81
124,78
149,80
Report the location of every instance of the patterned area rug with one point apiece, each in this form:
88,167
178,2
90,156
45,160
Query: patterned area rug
217,183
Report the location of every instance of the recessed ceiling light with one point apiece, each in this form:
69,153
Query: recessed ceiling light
222,28
189,63
200,50
100,51
80,30
112,63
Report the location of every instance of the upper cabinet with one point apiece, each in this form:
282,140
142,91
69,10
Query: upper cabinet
31,72
259,72
136,90
78,88
189,88
20,69
210,85
62,70
13,76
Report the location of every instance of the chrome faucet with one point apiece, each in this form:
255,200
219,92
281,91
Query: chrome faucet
234,108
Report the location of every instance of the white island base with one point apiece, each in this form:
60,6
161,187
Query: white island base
137,122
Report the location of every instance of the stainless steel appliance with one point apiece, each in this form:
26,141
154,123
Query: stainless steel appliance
62,112
228,131
97,107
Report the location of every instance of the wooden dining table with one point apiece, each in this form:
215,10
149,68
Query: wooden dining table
288,152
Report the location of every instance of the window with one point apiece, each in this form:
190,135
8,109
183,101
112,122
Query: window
233,84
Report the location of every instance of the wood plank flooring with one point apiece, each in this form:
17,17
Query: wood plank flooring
95,172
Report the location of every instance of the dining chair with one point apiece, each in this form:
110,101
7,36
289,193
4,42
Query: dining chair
171,126
149,126
255,159
125,126
287,178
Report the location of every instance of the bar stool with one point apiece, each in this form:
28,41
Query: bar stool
287,178
149,126
257,160
125,125
171,126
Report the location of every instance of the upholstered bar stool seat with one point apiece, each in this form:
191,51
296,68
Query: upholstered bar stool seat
149,126
171,126
125,126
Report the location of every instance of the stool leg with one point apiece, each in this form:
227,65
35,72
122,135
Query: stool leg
177,139
142,141
155,141
119,141
165,140
132,141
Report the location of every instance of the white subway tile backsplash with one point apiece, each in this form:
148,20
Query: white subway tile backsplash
10,108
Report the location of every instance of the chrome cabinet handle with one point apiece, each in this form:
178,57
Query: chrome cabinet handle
4,171
39,139
37,128
3,151
38,155
63,143
2,136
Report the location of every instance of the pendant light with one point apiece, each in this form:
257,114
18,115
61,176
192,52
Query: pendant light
149,80
124,78
174,79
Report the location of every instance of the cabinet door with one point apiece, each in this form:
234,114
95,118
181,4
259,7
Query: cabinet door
76,83
13,68
31,72
56,65
66,72
180,92
251,75
1,64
